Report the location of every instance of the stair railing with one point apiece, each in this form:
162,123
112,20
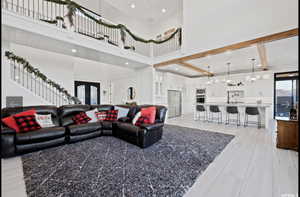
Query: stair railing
38,84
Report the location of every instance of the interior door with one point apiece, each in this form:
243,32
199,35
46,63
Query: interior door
87,92
174,103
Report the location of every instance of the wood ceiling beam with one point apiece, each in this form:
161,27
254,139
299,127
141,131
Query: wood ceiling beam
263,56
195,68
264,39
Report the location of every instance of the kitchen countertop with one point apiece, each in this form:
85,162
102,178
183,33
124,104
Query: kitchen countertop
237,104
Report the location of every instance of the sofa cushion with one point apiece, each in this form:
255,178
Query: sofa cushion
27,123
142,120
84,128
71,110
149,114
40,135
81,118
92,115
122,111
11,122
101,116
44,120
112,115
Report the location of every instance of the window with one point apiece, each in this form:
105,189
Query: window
286,94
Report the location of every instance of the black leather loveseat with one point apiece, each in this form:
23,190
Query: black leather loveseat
65,131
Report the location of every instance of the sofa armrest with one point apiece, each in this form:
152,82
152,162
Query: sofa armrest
152,126
8,145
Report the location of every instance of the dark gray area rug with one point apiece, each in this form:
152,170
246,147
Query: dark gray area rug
107,166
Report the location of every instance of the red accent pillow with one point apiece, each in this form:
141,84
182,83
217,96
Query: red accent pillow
81,118
150,113
142,120
112,115
11,122
27,123
101,115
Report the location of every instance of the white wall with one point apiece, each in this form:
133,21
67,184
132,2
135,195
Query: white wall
66,69
213,24
141,80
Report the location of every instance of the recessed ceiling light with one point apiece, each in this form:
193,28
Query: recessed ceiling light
74,50
176,68
126,63
163,10
132,5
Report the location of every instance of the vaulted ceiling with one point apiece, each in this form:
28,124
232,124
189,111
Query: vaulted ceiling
279,54
148,10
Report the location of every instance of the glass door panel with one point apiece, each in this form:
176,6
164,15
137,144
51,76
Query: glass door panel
286,94
87,92
81,93
94,95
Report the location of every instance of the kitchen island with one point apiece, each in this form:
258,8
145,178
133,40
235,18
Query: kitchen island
264,110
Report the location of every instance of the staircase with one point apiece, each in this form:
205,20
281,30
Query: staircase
30,78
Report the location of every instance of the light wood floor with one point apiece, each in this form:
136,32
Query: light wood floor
250,166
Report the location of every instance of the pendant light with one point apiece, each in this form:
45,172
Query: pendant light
228,73
208,77
252,77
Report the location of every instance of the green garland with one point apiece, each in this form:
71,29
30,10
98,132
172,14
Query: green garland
37,73
73,6
55,21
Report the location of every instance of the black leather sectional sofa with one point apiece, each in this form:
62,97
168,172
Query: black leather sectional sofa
65,131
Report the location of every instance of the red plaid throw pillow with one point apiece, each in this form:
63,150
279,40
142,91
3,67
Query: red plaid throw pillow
101,115
81,118
112,115
142,120
27,123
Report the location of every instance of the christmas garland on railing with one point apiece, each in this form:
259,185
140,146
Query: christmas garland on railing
55,21
73,6
37,73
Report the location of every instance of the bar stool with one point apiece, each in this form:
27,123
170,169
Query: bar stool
199,109
252,111
214,109
233,110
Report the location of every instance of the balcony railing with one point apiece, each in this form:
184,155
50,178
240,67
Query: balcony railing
55,14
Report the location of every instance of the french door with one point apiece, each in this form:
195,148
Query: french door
87,92
174,103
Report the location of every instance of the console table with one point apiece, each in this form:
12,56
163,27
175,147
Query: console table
287,134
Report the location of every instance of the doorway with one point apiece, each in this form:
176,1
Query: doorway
174,103
87,92
286,92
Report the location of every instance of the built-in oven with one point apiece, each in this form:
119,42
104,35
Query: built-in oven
200,91
200,98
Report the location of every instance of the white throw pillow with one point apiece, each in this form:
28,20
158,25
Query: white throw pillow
92,115
136,117
122,111
44,120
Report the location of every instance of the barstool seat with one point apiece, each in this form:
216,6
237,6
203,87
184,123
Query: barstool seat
199,109
214,109
233,110
252,111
